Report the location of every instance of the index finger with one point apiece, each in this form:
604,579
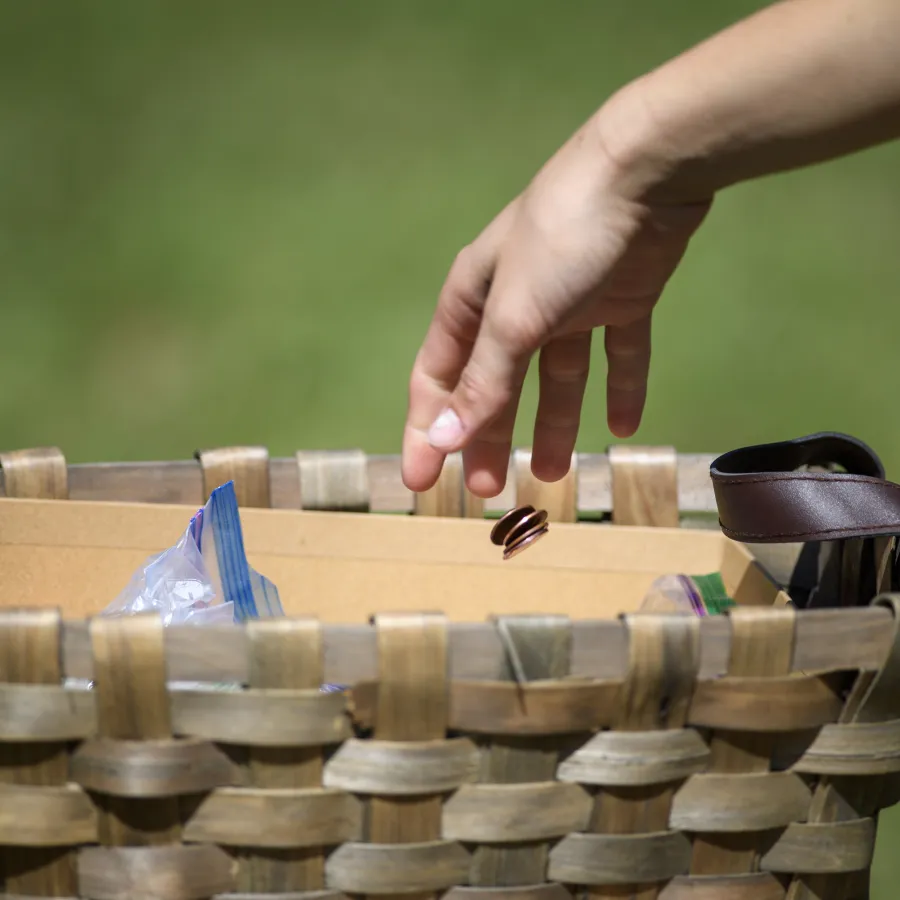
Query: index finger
446,350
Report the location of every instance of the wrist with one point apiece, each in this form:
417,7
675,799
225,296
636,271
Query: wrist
648,155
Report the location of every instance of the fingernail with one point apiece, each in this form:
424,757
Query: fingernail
445,431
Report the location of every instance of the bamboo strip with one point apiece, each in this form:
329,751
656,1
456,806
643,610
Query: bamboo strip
29,654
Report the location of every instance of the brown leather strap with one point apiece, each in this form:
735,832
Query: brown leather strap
765,494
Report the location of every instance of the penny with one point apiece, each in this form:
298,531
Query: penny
526,540
525,525
504,525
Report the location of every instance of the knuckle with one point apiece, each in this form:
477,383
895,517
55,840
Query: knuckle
626,382
628,354
464,278
557,420
476,391
463,262
566,360
516,329
565,369
461,300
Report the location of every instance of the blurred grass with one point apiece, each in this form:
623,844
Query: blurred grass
228,222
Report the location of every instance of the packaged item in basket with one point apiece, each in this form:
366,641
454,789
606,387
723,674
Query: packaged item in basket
204,579
700,595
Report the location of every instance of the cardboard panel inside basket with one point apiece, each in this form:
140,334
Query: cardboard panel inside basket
343,567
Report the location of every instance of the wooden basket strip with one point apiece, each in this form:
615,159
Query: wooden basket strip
37,473
148,768
874,698
834,848
826,640
559,498
248,467
285,656
407,870
499,815
626,865
44,817
334,480
163,872
722,804
515,813
305,720
449,497
30,655
140,838
32,896
412,706
762,644
644,483
285,718
871,748
285,827
760,886
664,658
34,713
132,704
181,481
410,768
326,894
773,704
622,758
546,891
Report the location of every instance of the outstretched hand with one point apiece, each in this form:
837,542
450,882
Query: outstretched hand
599,231
574,252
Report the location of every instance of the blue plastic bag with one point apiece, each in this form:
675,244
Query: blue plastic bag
204,579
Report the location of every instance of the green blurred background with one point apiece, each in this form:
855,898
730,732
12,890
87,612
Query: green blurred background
227,222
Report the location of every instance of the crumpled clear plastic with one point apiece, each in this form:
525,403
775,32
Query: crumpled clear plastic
204,578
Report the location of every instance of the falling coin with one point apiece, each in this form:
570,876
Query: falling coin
525,525
525,541
500,531
519,529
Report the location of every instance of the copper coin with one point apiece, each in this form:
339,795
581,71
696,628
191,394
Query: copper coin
525,541
522,536
525,525
506,523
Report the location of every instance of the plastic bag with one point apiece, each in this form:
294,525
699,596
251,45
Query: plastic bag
699,595
204,579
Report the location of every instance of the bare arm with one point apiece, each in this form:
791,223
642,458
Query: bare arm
801,82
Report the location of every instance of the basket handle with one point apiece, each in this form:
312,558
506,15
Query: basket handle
764,493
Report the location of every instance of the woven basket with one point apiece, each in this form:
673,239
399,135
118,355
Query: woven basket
743,757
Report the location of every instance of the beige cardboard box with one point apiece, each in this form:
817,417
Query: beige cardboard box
342,568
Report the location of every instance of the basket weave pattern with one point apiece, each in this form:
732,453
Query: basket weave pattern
661,758
669,781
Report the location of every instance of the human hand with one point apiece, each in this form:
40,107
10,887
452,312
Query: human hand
580,248
599,231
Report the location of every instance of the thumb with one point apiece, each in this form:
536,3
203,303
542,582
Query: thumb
492,378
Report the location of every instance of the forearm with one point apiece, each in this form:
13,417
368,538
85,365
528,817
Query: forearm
798,83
